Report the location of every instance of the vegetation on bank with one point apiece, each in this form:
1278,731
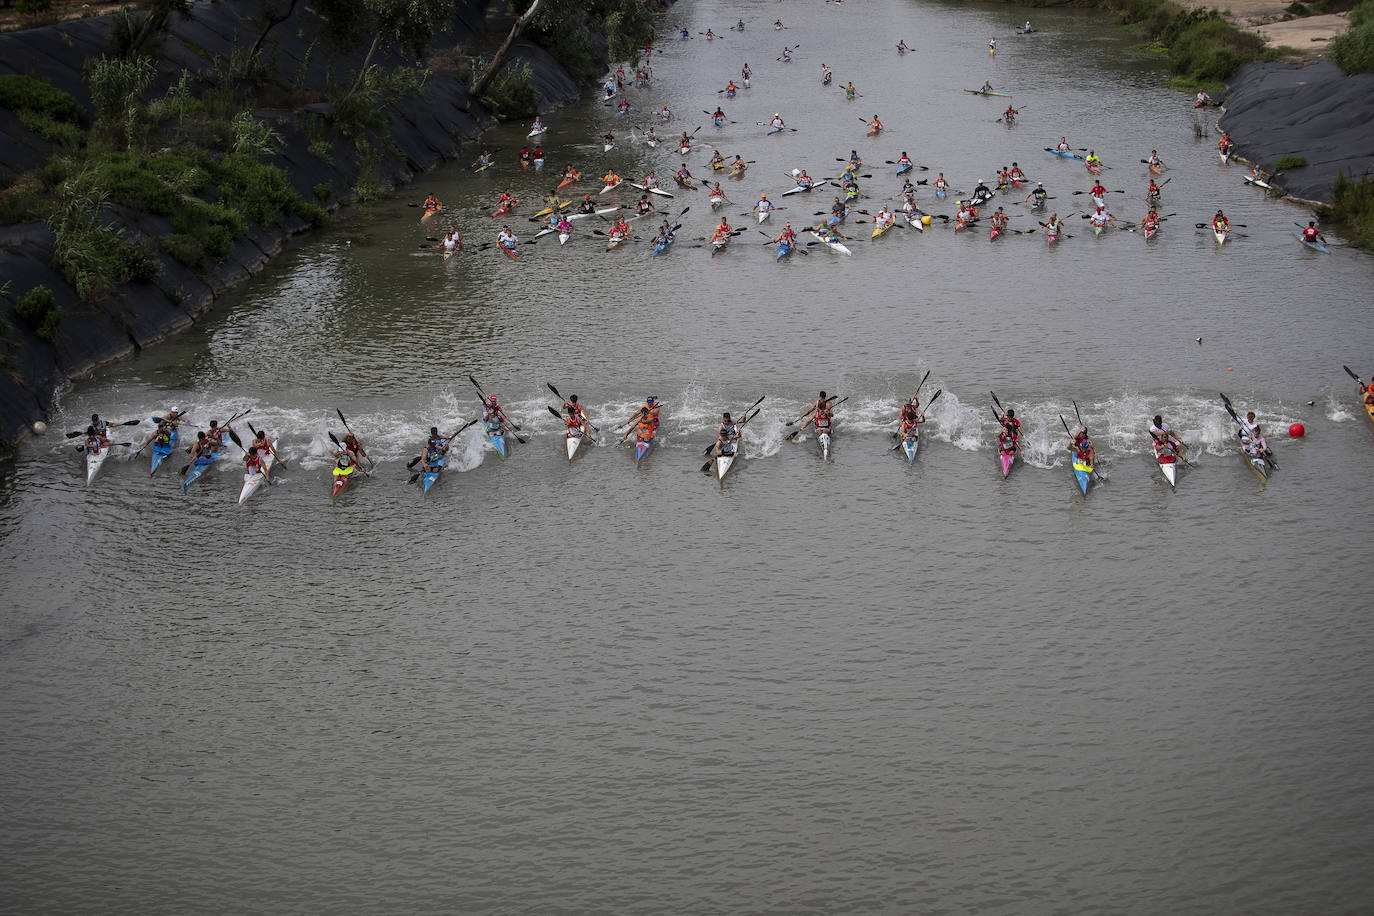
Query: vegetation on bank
1352,210
1353,51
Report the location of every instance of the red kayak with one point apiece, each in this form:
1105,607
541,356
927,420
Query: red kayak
505,208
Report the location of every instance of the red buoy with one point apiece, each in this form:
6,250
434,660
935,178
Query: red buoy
1297,431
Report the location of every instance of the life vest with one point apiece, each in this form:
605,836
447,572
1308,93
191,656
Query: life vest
341,470
645,429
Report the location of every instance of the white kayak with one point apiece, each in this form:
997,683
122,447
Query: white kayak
833,246
563,237
763,214
684,150
914,222
610,187
795,190
543,232
724,463
909,447
1258,182
573,443
608,147
537,131
251,482
1221,235
823,441
718,244
613,240
659,191
717,200
94,461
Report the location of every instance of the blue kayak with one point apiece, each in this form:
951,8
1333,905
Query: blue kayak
497,438
198,467
160,452
784,249
1313,244
430,478
1060,152
660,247
642,447
903,169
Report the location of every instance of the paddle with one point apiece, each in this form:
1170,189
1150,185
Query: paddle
82,448
745,418
82,432
1359,381
449,438
1208,226
237,416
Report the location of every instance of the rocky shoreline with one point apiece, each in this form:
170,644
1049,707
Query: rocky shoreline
424,131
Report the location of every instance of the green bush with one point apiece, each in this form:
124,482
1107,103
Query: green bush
312,214
1352,208
322,150
261,192
25,93
39,308
117,88
511,95
571,45
1290,162
1353,51
58,133
184,247
24,202
324,191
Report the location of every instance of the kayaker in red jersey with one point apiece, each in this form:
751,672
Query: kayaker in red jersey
822,403
1098,190
354,445
1220,223
266,446
253,464
577,416
1063,145
723,230
1310,234
1083,448
1011,424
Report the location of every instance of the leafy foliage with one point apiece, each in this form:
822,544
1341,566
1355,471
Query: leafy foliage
1353,51
39,308
20,93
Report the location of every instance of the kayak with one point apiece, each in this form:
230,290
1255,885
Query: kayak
903,169
1097,229
737,171
609,187
430,211
909,447
1258,465
568,181
660,247
1221,235
837,217
342,478
659,191
1258,182
94,461
563,237
642,447
1006,459
1151,232
1083,472
717,200
505,208
718,243
763,215
684,148
917,221
879,230
873,131
795,190
784,249
1051,237
941,192
1004,95
613,241
573,442
160,452
1168,463
1313,244
607,147
719,122
724,463
497,438
832,245
1097,201
995,233
772,131
1095,168
429,478
198,467
537,131
251,482
1067,154
511,253
543,232
823,443
1155,170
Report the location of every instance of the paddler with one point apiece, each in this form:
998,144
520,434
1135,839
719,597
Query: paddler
718,116
855,163
1063,145
763,204
685,142
839,210
665,113
564,227
608,138
538,155
1163,434
1311,233
821,403
577,419
1203,99
587,205
909,418
1003,178
884,218
940,183
651,138
1053,227
432,204
830,234
740,26
777,25
524,156
449,244
718,191
95,442
620,229
650,180
804,180
665,234
902,46
737,166
965,214
1220,223
710,36
353,446
537,127
717,161
1016,174
265,446
1098,193
981,194
992,45
745,72
507,239
1039,193
849,91
987,86
610,178
482,161
1151,221
494,419
644,206
731,89
723,231
570,174
203,447
623,107
999,220
684,176
875,125
1225,144
787,236
166,425
215,434
1101,219
786,54
433,452
727,436
777,123
253,464
344,462
1156,161
1153,193
904,161
507,200
1010,114
1081,444
1093,160
826,75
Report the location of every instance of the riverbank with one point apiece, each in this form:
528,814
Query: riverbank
123,228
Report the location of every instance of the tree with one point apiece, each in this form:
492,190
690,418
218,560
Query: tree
406,23
483,81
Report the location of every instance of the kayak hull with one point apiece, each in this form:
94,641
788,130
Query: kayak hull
1168,465
823,443
251,483
341,482
573,443
642,449
160,452
1083,473
723,465
198,468
95,462
429,478
909,448
498,442
1006,459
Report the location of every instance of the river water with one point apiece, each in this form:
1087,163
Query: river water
853,685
